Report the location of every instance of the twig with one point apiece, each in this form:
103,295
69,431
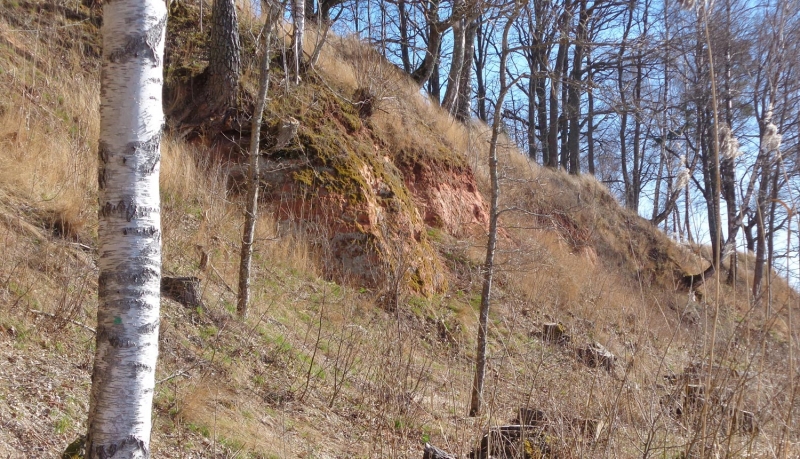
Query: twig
173,376
222,279
48,314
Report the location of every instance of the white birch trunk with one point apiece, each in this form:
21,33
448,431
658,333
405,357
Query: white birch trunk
299,14
129,231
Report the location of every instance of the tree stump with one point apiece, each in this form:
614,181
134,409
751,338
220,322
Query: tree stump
555,333
530,417
511,441
695,395
596,355
432,452
745,421
588,427
184,290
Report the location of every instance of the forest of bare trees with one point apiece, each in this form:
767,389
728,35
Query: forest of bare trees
687,111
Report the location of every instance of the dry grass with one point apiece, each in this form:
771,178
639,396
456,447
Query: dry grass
402,114
48,143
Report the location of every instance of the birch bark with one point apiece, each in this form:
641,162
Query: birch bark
129,231
299,14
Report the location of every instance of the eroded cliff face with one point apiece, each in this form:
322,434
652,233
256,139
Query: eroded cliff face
367,202
366,190
448,198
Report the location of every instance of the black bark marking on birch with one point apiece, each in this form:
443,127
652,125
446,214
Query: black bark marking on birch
127,305
148,328
101,176
108,451
152,248
139,368
141,211
137,45
149,231
144,155
110,210
153,37
101,285
135,278
102,159
114,339
103,79
127,210
119,343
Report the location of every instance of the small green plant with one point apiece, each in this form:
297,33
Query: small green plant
282,345
208,332
62,425
435,234
202,430
399,424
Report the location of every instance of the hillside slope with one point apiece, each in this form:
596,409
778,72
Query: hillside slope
360,341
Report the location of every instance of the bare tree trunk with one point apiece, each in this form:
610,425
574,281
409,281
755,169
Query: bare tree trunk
623,121
224,63
686,213
251,212
673,194
638,144
436,29
574,96
761,247
533,83
404,36
480,68
762,200
563,124
488,265
325,7
537,96
129,230
299,15
727,166
772,227
555,89
541,114
590,119
309,9
710,162
218,85
464,100
456,62
638,155
657,187
663,161
434,86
